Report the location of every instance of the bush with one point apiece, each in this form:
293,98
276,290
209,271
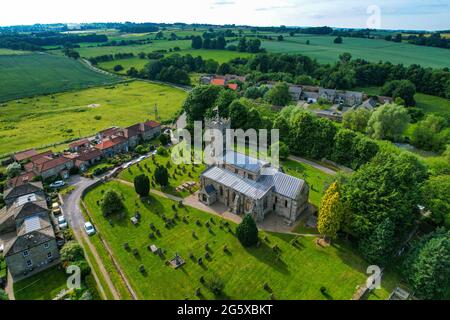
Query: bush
215,285
85,269
111,203
3,295
162,151
164,139
97,117
118,68
142,185
72,252
13,170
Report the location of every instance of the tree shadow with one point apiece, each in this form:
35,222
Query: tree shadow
266,255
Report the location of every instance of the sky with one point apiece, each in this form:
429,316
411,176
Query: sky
380,14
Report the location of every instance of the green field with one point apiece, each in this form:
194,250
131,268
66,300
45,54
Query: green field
125,63
24,75
43,286
44,120
302,269
94,50
325,51
185,172
5,52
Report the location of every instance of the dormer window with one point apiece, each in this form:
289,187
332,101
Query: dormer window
46,245
26,253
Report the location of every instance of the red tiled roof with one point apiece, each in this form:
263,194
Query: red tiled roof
109,132
44,154
25,154
233,86
151,124
78,143
22,179
110,142
53,164
89,155
218,82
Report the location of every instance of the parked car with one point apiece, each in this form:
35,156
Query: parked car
56,209
62,222
57,184
127,165
90,230
140,158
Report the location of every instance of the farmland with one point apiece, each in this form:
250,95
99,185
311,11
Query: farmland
299,273
43,120
324,50
24,75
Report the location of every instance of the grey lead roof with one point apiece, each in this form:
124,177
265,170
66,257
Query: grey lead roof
281,183
244,162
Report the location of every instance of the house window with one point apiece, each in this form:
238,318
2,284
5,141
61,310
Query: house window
285,203
29,263
221,190
26,253
49,255
250,176
276,199
46,245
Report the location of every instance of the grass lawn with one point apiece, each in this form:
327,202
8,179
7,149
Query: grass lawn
42,286
317,180
125,63
183,170
324,50
24,75
299,273
6,52
46,120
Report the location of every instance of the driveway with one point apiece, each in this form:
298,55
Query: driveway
314,164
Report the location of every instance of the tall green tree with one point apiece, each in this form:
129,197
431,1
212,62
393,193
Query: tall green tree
279,94
403,89
379,246
111,203
161,176
388,122
427,266
199,101
436,197
356,120
142,185
247,232
431,134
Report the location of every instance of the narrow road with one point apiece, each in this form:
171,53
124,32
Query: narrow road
314,164
73,214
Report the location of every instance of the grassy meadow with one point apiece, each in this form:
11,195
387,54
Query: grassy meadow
300,271
324,50
24,75
44,120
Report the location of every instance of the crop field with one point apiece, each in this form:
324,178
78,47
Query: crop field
125,63
43,120
25,75
95,50
299,271
325,51
7,52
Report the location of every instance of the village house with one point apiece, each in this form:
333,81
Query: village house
112,145
48,165
86,158
79,145
24,155
250,186
26,232
223,81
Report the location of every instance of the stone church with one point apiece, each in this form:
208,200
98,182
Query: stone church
248,185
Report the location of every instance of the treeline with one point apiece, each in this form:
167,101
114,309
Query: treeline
199,42
434,40
110,57
344,74
36,41
138,27
115,43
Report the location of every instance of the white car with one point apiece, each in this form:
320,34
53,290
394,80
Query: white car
62,222
127,165
57,184
140,158
90,230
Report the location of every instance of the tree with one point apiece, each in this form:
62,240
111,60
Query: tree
224,68
118,68
242,45
247,232
356,119
142,185
224,99
279,94
161,176
111,203
197,42
3,295
221,43
284,151
343,150
435,193
364,149
345,57
386,187
13,170
403,89
427,266
388,122
431,134
338,40
71,252
164,139
199,100
330,213
280,37
238,114
379,246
